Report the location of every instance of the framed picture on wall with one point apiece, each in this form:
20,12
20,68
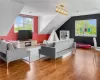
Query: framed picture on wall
64,34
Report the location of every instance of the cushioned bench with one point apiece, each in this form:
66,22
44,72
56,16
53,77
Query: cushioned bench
82,45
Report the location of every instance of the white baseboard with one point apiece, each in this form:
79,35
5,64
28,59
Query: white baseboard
93,47
98,47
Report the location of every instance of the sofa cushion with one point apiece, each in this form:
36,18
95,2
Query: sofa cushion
62,45
1,41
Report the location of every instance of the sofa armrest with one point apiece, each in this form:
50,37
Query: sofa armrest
48,47
48,51
17,54
74,47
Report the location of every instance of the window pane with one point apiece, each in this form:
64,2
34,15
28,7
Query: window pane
79,27
28,23
18,24
19,20
23,23
91,27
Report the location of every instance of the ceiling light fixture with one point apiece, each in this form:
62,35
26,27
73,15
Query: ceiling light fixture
60,9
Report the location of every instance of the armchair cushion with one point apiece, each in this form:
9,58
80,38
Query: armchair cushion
15,44
3,47
10,46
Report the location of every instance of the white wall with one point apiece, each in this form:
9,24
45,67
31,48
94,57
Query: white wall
97,4
45,20
8,12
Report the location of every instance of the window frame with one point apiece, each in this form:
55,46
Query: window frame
85,35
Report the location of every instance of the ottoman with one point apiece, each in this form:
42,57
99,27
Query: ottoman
82,45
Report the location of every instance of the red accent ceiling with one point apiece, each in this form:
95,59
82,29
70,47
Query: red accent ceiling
39,37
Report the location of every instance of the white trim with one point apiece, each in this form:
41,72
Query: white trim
93,47
98,47
86,35
86,13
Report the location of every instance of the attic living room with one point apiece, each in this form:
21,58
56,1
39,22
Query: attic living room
49,40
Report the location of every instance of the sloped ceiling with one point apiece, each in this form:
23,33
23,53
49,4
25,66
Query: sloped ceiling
55,23
44,21
8,12
38,7
47,7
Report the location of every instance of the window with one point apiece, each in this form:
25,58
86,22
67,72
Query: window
86,28
23,23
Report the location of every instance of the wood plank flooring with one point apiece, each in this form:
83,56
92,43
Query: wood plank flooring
84,65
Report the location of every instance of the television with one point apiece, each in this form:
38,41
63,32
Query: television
86,28
24,34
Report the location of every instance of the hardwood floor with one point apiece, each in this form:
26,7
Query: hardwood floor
84,65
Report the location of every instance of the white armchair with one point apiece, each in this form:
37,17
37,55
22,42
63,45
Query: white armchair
8,53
